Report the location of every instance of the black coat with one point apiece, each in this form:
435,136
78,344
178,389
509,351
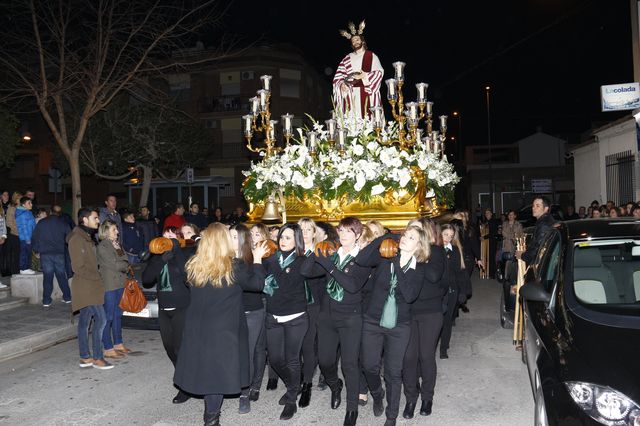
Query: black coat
177,296
407,289
214,355
543,225
434,287
455,276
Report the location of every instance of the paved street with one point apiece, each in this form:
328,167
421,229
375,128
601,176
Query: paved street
482,383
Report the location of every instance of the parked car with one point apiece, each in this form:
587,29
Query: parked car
525,214
582,324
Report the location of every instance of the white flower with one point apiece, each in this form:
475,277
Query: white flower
360,182
405,177
358,150
430,193
377,189
258,184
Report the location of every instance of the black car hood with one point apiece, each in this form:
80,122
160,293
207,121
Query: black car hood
599,354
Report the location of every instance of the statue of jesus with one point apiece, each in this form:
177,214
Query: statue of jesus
356,83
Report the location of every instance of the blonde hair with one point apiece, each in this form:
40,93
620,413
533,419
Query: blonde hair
309,221
15,198
455,241
213,261
366,237
105,228
423,252
264,231
376,227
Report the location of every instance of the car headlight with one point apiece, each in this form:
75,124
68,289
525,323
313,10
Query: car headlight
604,404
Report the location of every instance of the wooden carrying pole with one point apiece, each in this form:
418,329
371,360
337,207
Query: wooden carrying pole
518,316
484,251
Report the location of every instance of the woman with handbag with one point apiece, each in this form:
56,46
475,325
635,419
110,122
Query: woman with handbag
396,282
113,266
214,356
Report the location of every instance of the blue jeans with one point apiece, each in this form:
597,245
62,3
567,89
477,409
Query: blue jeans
53,264
25,255
97,313
113,313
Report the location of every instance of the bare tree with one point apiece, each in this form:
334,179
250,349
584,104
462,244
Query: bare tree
156,140
76,56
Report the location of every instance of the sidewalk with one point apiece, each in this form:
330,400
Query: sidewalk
29,328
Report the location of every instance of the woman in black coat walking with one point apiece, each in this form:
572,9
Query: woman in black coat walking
458,281
287,320
426,325
214,355
386,327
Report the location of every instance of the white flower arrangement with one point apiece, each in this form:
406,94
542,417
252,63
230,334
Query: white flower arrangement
367,168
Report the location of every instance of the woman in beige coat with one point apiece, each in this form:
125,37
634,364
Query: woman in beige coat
113,265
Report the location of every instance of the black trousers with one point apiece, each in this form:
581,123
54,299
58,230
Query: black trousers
309,344
260,358
420,357
255,326
171,327
394,342
345,331
449,316
284,341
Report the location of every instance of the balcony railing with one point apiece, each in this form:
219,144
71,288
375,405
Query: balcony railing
222,104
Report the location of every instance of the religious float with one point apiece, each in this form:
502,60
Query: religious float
355,163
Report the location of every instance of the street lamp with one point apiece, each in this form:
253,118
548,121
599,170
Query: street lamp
487,90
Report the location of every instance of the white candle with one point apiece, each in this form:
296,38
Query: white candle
429,108
311,137
331,128
287,120
443,123
422,92
412,109
248,122
392,93
272,129
263,94
399,70
266,82
342,138
255,105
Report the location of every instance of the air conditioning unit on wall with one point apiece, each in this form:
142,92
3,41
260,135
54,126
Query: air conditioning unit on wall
247,75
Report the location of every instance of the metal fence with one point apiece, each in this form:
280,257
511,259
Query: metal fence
621,177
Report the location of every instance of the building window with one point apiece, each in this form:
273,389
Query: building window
230,83
290,83
231,130
179,87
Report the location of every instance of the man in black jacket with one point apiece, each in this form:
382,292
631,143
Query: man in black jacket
544,223
48,241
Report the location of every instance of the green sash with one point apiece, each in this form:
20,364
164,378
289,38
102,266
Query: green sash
307,290
335,290
165,281
389,316
270,283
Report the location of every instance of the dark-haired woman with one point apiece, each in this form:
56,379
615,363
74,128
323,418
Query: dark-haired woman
396,283
167,273
253,311
287,319
340,319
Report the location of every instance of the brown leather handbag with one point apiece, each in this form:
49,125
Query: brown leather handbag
133,299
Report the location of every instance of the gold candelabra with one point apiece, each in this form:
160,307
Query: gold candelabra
408,116
259,121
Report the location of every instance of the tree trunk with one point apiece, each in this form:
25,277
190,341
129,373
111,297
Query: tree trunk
147,174
76,185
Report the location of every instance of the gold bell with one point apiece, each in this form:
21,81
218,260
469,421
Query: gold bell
271,211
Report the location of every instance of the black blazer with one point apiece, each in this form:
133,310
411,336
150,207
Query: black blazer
290,297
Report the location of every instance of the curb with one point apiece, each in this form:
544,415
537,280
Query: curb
37,341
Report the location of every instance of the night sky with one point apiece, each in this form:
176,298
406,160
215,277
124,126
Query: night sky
545,60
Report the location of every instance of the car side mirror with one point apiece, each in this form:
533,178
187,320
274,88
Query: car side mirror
534,292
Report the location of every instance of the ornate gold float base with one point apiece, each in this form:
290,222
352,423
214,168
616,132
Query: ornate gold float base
392,209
